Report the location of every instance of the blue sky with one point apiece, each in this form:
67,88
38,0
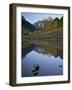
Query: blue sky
34,17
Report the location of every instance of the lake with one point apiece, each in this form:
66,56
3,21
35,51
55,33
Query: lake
42,60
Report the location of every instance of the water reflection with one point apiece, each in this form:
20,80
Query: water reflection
42,60
35,69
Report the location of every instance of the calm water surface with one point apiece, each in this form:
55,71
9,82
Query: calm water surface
47,63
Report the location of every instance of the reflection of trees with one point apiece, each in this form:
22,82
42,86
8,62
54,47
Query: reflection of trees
47,49
53,50
42,48
26,49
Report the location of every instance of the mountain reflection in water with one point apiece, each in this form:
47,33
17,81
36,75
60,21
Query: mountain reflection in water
42,60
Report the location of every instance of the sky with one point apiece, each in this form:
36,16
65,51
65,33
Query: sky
34,17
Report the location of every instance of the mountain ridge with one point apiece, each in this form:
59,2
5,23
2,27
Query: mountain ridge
45,24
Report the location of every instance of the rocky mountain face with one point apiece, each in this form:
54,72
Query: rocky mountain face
44,22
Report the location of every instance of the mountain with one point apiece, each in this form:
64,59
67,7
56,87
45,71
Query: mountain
56,23
44,22
26,26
